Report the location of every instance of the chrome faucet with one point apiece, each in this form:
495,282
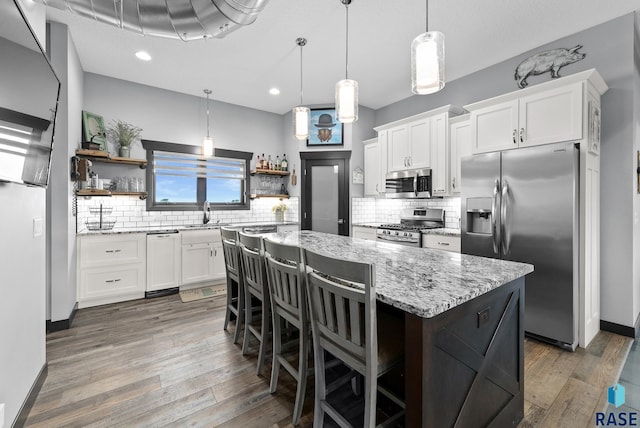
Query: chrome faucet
207,212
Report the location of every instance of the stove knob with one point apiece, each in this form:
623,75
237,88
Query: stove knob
397,233
405,234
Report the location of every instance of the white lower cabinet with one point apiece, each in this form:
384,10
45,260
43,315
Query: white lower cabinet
202,257
111,268
163,261
364,233
441,242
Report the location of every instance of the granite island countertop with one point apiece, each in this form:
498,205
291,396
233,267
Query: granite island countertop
420,281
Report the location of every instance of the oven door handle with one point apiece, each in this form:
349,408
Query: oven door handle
415,184
382,238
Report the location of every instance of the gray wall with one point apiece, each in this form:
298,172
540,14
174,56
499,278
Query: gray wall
609,48
62,229
178,118
353,136
23,268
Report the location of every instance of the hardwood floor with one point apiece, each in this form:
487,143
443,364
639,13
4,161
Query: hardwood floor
161,362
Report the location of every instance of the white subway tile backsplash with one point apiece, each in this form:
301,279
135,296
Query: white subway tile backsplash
370,210
130,213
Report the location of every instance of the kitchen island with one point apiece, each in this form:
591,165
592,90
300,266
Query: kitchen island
464,331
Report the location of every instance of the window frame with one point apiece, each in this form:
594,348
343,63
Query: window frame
152,146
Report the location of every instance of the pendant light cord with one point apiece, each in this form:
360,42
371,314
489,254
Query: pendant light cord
207,91
346,67
426,17
301,44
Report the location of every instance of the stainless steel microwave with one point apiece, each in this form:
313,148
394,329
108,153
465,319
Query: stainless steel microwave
412,183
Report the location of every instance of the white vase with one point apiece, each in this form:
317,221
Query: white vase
279,217
124,151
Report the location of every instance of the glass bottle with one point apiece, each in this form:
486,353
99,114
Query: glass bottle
284,164
269,163
263,163
277,164
258,162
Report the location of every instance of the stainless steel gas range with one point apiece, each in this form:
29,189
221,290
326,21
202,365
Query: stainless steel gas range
412,222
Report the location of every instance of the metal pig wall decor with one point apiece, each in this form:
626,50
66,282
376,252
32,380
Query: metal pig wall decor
552,60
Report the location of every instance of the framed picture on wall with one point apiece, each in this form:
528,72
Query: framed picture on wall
594,128
93,129
324,129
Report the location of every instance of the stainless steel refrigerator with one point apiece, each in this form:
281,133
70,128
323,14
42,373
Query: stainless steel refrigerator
522,205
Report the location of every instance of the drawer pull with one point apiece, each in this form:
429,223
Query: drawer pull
446,244
112,251
113,280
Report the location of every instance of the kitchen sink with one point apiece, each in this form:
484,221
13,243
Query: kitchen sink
205,226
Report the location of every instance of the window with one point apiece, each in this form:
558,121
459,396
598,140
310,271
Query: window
182,179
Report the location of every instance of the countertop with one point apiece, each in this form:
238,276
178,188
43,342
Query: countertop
420,281
183,228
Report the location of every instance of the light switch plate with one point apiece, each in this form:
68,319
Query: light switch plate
37,228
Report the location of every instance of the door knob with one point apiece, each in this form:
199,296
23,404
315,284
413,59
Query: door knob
340,221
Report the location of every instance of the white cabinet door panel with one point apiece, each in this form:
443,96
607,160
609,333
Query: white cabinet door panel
163,261
495,128
551,117
419,152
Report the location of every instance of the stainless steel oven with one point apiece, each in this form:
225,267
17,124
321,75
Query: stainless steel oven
412,222
411,183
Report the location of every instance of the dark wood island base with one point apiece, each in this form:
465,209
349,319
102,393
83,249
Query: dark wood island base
465,367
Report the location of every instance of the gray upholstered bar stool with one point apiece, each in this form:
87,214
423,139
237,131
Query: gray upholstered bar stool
344,322
288,303
235,280
256,298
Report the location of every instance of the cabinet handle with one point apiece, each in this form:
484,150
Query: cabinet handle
522,135
112,251
453,182
409,161
445,244
113,280
377,187
514,136
405,161
215,252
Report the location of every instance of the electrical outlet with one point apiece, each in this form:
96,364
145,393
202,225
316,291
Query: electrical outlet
1,415
37,227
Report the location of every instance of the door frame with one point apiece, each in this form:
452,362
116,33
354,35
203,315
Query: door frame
307,160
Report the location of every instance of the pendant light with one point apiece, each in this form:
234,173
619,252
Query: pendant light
427,61
207,143
347,89
301,113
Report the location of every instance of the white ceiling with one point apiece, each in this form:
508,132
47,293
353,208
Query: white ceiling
241,67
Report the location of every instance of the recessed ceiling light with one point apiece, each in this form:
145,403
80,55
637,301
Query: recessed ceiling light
143,56
274,91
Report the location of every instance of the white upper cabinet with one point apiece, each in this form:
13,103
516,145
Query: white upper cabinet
398,148
420,141
374,174
439,154
537,117
460,146
419,153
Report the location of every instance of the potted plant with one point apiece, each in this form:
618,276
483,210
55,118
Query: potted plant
124,135
279,211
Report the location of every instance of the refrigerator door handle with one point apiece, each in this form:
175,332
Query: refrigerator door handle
415,185
506,236
494,212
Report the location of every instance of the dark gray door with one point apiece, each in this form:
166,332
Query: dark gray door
325,192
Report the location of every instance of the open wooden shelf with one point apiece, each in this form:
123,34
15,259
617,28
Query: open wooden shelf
99,192
256,196
105,157
269,172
